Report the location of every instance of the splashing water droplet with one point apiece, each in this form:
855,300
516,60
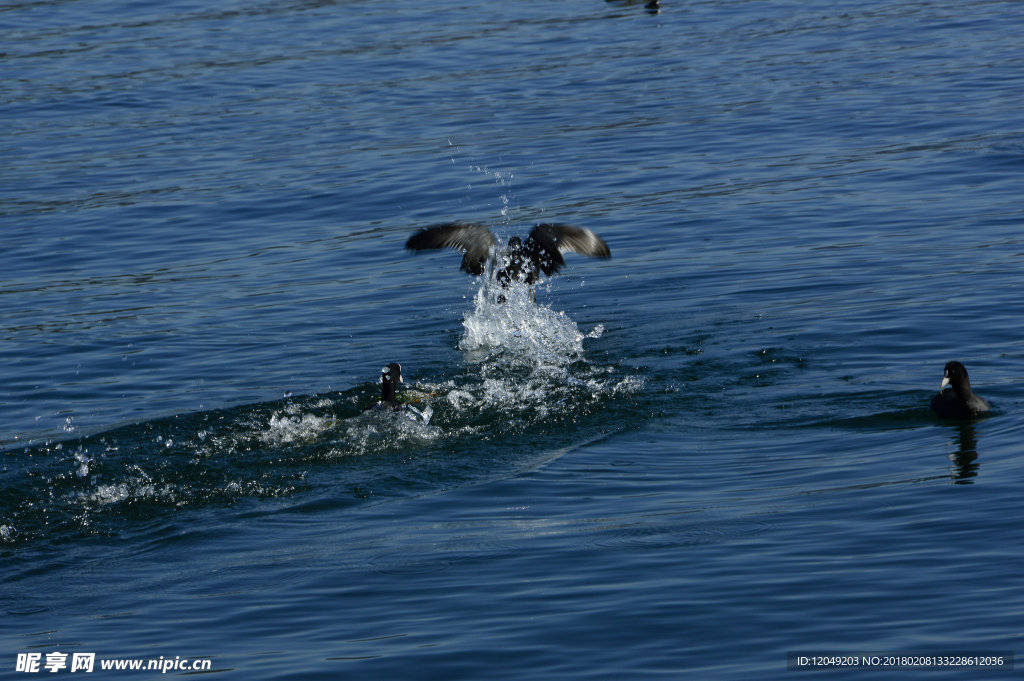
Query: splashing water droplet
530,364
508,322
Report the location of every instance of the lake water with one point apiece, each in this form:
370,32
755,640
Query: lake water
697,459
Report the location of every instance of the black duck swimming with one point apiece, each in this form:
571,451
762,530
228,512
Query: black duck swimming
959,401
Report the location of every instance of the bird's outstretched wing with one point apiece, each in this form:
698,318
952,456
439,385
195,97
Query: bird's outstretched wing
547,242
473,240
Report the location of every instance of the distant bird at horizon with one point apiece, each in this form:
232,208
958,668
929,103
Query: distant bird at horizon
522,261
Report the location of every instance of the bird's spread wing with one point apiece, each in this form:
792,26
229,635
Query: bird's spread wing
473,240
547,242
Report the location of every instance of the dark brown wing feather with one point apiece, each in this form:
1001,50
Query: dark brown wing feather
547,242
473,240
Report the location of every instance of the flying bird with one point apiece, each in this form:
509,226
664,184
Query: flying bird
522,261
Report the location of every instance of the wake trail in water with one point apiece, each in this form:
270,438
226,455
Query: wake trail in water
525,389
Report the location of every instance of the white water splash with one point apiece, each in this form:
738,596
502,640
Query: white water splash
293,426
83,461
530,360
135,487
371,431
507,321
379,430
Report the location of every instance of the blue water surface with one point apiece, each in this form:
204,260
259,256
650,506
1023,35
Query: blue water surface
695,459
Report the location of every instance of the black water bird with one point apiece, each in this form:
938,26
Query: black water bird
390,378
392,400
522,261
652,6
959,402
